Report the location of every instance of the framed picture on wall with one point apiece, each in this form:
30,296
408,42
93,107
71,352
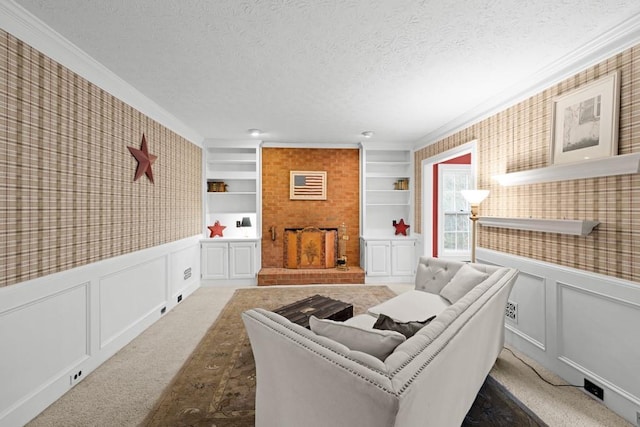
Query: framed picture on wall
585,121
308,185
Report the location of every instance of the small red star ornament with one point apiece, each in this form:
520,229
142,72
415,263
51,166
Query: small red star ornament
216,229
145,160
401,227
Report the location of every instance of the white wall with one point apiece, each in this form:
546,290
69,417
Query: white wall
56,326
579,325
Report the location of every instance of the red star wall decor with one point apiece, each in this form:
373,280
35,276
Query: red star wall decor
401,227
145,160
216,229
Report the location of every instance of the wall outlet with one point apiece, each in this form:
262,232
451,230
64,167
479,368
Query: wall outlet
163,310
179,297
74,378
187,273
597,391
511,311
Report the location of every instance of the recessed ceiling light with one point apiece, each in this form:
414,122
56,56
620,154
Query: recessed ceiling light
255,132
367,134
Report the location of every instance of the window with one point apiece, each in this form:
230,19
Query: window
454,231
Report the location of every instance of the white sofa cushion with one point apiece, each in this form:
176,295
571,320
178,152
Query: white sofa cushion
411,306
364,321
462,282
371,341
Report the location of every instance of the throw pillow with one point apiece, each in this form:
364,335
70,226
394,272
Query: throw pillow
462,282
377,343
408,329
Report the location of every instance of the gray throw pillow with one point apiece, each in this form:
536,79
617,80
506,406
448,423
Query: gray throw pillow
462,282
408,329
377,343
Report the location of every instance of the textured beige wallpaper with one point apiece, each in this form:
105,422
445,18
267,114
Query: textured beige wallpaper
518,139
67,196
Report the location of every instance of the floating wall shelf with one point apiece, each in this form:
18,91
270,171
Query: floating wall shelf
608,166
562,226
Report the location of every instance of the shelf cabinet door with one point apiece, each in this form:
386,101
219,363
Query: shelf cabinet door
242,260
403,260
378,258
215,261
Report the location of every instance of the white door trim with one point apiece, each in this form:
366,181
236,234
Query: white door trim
427,187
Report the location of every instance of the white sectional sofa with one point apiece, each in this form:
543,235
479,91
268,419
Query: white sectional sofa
342,375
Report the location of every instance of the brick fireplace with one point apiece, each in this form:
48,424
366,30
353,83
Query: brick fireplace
280,213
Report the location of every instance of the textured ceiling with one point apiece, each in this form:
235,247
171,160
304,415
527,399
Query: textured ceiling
322,71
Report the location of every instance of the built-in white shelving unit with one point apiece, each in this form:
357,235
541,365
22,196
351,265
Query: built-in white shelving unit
233,169
387,186
594,168
231,193
560,226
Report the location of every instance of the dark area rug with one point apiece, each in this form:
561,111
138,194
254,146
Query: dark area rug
216,385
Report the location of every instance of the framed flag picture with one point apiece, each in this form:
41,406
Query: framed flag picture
308,185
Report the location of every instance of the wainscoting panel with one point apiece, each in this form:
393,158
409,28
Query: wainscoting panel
590,323
529,294
128,296
184,270
39,330
59,325
584,315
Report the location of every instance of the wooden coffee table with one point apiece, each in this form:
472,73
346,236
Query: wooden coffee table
317,305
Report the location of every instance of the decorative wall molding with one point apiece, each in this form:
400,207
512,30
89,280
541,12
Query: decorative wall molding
79,318
575,227
17,21
590,325
616,40
532,289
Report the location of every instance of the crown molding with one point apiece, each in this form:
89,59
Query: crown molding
15,20
610,43
284,144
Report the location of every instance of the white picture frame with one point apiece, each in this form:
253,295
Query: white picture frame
585,122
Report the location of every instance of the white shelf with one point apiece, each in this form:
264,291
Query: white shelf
389,163
561,226
386,175
231,193
387,191
387,204
231,161
608,166
224,175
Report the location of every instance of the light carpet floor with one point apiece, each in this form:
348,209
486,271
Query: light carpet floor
123,390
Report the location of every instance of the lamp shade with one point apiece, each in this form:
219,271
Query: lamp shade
474,197
246,222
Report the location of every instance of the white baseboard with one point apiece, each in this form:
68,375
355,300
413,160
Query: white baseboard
381,280
68,323
577,324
